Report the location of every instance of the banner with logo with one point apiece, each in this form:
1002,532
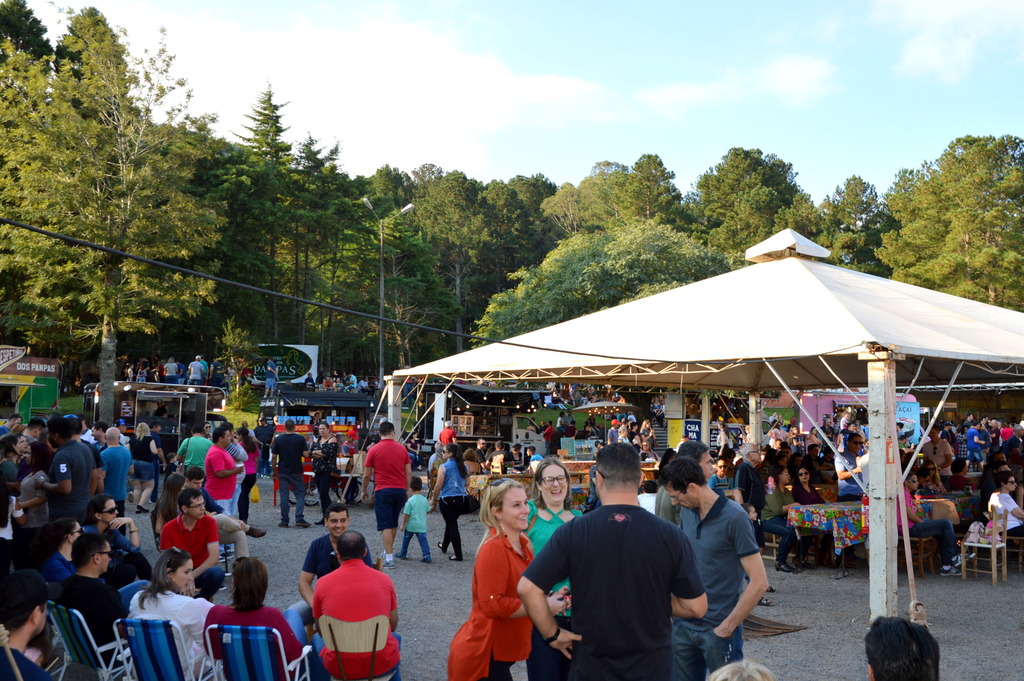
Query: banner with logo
293,362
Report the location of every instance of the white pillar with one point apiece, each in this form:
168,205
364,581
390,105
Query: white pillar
883,483
705,418
754,407
393,396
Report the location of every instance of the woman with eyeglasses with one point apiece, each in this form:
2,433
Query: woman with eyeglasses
450,493
1002,500
550,507
127,564
778,500
171,596
928,479
52,548
497,634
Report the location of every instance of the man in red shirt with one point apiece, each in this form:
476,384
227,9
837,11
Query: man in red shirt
222,470
548,435
196,532
390,461
447,434
355,592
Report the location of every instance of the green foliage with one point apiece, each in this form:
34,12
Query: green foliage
23,30
592,271
239,350
244,398
962,222
854,220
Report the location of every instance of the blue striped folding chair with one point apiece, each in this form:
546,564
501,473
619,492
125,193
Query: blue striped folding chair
151,648
253,654
80,646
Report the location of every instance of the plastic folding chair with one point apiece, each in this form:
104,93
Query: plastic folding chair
80,646
153,650
242,653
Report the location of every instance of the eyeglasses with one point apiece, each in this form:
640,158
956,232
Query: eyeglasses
855,442
552,479
78,531
1011,482
201,504
912,481
109,510
803,473
103,553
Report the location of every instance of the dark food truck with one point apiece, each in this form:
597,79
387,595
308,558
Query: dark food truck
185,405
344,411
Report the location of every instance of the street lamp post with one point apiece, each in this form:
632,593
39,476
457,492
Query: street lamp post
380,315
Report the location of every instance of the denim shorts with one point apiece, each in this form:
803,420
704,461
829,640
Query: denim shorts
143,470
388,504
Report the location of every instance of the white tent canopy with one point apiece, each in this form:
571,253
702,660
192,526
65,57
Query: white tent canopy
818,326
694,337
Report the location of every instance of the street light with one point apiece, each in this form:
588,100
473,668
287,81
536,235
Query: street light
380,321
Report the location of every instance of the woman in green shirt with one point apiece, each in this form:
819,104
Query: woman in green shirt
778,498
549,504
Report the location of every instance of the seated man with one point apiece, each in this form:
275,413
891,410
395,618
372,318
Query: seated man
321,558
23,597
99,603
196,532
355,592
940,529
899,650
230,530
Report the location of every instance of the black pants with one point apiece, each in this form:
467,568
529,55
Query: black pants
499,671
451,509
323,486
243,498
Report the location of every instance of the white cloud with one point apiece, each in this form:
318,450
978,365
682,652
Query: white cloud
793,80
388,89
946,35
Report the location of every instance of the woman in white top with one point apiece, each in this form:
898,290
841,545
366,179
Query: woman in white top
1002,500
171,596
10,513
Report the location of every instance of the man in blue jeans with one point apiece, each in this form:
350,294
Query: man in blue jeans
726,552
941,529
288,450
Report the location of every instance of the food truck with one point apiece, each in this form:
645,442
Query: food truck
28,385
342,410
483,412
173,407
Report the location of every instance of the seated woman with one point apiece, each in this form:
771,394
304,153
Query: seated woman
928,479
959,482
1002,500
127,564
248,591
778,500
469,458
166,508
171,596
52,548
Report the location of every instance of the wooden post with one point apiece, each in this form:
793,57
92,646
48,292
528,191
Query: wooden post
393,395
884,482
754,407
705,418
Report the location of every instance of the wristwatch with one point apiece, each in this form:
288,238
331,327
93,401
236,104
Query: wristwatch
553,637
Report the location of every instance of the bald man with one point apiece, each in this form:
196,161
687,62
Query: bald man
117,466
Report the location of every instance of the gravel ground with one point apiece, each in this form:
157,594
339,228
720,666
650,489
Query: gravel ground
433,601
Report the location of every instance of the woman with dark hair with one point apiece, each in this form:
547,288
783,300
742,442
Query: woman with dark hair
144,451
324,452
497,633
550,507
777,502
248,591
127,564
33,502
171,596
52,548
13,448
663,506
450,493
10,513
252,448
166,508
469,458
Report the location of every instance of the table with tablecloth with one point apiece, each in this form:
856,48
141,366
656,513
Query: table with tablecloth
579,490
845,520
967,505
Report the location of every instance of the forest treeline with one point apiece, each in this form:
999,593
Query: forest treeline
101,145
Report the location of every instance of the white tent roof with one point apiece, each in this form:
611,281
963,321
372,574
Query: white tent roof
697,336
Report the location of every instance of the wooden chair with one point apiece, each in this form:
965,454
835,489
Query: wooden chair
997,550
771,546
922,549
367,636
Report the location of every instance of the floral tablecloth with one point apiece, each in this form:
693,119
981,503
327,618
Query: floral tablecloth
967,506
846,521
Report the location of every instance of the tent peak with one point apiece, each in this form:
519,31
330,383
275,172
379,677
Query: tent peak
786,244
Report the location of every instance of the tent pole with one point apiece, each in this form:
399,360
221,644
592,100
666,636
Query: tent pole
883,478
705,418
393,394
753,406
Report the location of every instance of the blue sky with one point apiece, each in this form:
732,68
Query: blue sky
497,89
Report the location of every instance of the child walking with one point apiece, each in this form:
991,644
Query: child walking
414,521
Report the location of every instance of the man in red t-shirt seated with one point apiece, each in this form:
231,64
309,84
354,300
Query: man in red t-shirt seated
355,592
196,532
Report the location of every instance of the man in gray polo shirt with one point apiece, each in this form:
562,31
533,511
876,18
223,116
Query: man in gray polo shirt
723,544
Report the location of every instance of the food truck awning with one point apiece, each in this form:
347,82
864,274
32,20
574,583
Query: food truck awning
162,395
19,381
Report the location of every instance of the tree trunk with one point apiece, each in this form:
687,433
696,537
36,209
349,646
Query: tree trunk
108,356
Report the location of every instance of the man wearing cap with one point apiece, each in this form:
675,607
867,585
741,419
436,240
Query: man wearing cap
71,473
100,604
23,597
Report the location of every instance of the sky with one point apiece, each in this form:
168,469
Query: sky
499,89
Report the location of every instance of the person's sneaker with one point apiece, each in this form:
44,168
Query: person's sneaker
956,560
302,523
401,556
282,524
950,570
426,560
389,564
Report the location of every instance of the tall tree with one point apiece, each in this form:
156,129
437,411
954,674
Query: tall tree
102,169
854,219
649,192
23,29
963,222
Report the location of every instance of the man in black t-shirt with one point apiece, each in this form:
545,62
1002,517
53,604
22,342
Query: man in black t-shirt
288,451
71,473
84,591
629,571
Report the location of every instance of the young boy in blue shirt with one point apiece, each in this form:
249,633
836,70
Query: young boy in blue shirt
414,520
